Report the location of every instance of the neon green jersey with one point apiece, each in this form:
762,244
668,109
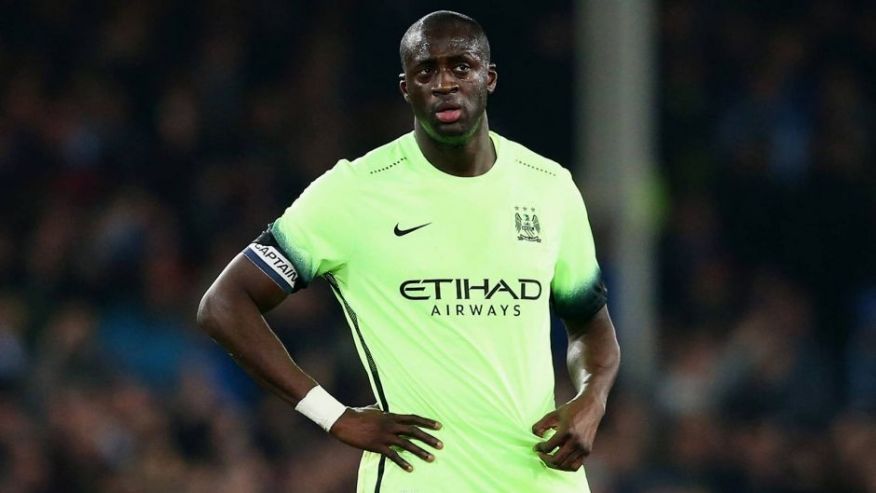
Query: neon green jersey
446,283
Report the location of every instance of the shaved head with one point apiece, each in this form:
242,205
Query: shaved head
444,23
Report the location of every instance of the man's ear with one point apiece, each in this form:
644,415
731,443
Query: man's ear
403,87
492,77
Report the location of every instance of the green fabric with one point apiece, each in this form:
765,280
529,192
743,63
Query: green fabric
456,313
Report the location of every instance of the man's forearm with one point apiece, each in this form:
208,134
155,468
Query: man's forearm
234,321
593,357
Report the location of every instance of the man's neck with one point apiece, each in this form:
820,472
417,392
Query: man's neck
472,158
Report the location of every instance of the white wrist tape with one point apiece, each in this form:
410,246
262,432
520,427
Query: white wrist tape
321,407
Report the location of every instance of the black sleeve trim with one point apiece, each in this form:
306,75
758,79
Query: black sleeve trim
583,305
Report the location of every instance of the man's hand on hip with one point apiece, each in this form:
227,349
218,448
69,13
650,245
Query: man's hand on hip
575,423
369,428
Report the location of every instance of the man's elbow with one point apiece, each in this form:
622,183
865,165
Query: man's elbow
612,351
209,316
617,355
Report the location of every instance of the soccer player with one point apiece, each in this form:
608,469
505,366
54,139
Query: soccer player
445,248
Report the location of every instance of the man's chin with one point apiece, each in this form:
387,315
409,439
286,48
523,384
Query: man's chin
456,133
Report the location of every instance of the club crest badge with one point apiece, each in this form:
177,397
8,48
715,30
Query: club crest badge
526,222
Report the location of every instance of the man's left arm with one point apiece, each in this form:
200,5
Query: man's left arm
593,359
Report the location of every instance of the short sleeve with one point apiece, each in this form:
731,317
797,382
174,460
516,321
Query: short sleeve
314,232
577,289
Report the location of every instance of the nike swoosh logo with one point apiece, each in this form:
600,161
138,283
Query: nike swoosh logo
402,232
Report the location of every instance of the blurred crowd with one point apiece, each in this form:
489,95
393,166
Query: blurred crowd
143,144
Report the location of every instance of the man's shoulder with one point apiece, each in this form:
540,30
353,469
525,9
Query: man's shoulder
533,165
347,173
380,159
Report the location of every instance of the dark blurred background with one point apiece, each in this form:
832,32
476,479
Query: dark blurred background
143,144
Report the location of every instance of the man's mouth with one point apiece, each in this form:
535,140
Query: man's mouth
449,116
448,112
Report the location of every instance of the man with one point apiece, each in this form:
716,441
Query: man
445,249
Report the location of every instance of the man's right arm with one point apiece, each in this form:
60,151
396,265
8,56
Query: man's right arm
231,313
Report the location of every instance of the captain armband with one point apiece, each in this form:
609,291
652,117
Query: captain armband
266,254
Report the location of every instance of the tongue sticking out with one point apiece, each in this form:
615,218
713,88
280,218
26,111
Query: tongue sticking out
448,116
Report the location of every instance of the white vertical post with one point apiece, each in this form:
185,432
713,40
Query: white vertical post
615,151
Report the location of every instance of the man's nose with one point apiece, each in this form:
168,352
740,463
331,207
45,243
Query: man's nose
445,83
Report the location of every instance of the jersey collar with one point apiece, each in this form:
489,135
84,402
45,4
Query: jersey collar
419,161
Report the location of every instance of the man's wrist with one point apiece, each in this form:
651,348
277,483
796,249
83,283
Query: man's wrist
591,396
321,408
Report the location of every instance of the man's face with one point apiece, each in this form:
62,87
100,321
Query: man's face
446,82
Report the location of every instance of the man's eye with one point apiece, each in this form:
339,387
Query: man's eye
425,71
463,67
